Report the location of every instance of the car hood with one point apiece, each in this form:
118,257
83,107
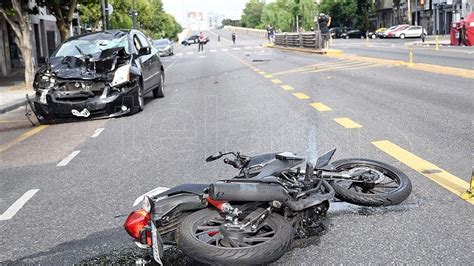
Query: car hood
86,67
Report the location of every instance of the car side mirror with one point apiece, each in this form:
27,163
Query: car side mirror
144,51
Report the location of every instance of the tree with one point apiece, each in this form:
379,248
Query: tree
278,14
90,13
306,12
64,11
342,12
362,14
252,14
17,16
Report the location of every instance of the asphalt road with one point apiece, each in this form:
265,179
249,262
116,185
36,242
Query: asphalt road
398,49
218,101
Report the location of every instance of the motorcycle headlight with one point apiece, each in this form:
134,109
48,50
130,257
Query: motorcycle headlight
122,75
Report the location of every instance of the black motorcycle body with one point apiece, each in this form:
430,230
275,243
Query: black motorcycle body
253,217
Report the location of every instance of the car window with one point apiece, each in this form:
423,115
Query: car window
143,40
136,43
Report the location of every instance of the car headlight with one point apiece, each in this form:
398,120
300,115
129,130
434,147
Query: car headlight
122,75
46,81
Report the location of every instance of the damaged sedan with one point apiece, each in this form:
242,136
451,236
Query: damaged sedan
97,75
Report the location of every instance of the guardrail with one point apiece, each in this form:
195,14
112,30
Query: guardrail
299,39
249,31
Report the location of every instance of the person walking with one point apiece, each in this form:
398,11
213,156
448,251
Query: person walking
233,37
202,41
272,35
324,24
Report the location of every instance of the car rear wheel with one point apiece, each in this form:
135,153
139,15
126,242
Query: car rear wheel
347,37
402,36
159,91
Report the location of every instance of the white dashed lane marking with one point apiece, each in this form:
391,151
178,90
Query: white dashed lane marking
17,205
68,158
97,132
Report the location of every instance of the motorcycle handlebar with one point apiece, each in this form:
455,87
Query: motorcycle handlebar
232,162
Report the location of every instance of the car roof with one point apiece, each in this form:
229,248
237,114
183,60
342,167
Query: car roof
98,34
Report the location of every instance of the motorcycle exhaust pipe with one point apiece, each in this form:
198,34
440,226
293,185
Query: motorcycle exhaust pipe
267,192
237,191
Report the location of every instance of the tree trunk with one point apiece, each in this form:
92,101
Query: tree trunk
63,29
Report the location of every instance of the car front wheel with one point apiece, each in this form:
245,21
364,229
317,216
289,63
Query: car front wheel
159,91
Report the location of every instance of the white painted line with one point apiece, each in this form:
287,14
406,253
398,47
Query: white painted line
224,49
97,132
179,54
259,47
235,49
18,204
68,158
202,56
190,53
213,51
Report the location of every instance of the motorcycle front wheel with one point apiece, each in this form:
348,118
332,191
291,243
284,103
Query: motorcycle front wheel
389,186
203,237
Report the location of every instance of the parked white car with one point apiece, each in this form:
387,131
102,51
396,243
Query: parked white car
412,31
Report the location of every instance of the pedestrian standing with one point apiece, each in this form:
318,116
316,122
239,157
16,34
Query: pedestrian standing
272,34
202,40
233,37
324,24
462,32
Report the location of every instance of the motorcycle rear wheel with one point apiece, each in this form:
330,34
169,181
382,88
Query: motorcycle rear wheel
394,188
199,237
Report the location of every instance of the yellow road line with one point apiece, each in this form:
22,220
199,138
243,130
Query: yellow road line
449,181
346,66
24,136
13,121
347,123
309,67
320,107
301,96
287,87
268,76
277,81
262,72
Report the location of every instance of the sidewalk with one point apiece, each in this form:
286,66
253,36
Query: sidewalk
13,92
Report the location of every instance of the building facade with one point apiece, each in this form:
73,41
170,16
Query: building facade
45,38
436,16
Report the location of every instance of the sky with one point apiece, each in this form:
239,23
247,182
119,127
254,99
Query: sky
179,8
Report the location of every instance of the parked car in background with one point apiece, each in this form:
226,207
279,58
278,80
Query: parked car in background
392,33
375,34
412,31
164,46
353,34
384,33
97,75
337,31
192,40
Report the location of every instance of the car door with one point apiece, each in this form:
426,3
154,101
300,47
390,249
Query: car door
153,63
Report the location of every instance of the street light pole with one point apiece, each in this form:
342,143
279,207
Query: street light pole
106,5
134,15
409,11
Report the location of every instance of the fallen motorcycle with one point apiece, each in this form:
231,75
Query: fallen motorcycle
254,217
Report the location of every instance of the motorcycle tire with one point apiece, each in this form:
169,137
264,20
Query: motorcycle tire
213,254
377,196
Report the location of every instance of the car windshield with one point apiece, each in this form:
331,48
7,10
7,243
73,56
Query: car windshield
91,45
161,42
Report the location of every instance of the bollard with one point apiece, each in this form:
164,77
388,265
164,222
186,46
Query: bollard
330,41
410,56
469,194
436,43
367,41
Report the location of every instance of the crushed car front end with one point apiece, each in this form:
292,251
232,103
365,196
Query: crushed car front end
75,87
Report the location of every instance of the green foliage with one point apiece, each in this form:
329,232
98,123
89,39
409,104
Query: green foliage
151,18
90,13
342,12
252,14
278,14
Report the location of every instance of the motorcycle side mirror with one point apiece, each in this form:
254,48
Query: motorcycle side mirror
214,157
324,159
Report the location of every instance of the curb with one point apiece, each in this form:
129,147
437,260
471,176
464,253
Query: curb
12,105
306,50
